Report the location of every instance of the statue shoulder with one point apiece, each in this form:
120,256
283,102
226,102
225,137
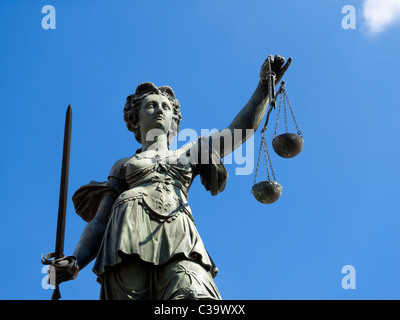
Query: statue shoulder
118,169
88,197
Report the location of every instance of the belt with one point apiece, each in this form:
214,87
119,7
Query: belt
164,180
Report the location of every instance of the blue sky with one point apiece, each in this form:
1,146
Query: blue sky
339,204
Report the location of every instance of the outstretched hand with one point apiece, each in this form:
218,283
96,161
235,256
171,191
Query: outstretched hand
278,66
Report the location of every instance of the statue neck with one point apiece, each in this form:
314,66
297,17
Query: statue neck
160,143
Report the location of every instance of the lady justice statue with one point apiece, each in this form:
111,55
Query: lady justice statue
140,227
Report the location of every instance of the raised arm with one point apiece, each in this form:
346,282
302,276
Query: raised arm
249,118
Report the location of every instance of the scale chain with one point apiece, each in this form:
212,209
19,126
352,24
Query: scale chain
258,164
266,155
285,110
268,162
291,111
277,117
268,158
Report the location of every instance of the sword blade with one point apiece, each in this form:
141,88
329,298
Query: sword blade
62,204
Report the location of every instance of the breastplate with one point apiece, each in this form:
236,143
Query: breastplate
161,198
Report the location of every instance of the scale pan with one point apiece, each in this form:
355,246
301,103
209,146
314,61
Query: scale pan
288,145
267,191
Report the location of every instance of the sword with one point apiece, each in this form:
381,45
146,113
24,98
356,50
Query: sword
62,204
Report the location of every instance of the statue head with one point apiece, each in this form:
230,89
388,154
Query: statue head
134,103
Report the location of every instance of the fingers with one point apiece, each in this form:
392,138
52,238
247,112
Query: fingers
279,61
287,65
76,273
278,66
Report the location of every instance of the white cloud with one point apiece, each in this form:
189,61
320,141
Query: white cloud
380,14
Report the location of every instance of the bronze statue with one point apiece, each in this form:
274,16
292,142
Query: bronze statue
140,227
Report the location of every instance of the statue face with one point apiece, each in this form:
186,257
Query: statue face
155,113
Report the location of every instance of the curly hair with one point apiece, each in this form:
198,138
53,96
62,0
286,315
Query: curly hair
134,101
